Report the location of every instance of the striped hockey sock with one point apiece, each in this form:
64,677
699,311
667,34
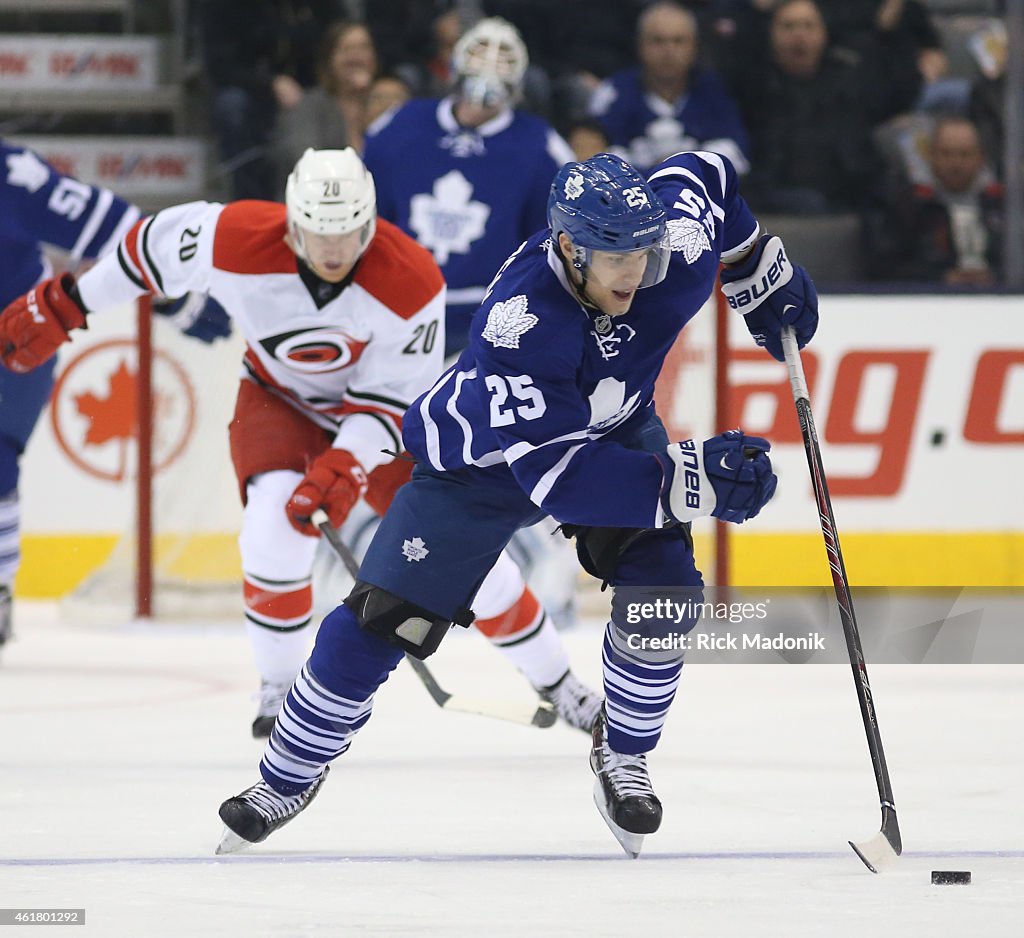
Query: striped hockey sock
639,688
329,702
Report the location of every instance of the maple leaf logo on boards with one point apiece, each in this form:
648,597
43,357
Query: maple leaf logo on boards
111,417
688,236
93,410
507,321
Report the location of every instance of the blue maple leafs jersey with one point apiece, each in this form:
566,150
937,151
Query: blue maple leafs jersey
646,129
39,205
544,383
468,196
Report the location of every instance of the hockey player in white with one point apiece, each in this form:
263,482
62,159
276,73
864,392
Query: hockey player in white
476,188
343,318
550,410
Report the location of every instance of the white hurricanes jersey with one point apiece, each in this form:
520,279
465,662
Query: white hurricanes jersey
352,361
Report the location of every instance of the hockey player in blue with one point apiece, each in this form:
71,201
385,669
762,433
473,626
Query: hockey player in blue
468,176
550,410
39,205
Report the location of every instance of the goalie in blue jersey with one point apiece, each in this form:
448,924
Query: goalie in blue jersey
550,411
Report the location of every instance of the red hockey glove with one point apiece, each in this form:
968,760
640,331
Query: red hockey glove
335,482
35,325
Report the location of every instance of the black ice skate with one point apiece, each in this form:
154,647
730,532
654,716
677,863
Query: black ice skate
622,791
573,701
271,700
257,812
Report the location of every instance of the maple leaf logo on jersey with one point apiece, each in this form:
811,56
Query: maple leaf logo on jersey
414,549
688,236
27,171
574,186
507,321
447,221
608,404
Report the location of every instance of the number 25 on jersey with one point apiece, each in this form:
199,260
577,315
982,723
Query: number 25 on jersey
526,402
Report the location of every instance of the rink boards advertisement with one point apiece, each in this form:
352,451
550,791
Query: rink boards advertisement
918,401
919,407
78,63
133,167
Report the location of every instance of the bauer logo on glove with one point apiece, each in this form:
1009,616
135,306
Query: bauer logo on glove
772,293
730,477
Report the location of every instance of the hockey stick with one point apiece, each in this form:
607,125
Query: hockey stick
542,714
882,849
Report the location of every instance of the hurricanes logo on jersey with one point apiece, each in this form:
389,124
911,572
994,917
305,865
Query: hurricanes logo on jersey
314,351
448,220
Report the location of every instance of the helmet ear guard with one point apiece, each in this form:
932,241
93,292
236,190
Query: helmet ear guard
604,204
330,192
489,62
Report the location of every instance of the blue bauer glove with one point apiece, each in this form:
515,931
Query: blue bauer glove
772,293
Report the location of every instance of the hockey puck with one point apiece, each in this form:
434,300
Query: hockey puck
951,877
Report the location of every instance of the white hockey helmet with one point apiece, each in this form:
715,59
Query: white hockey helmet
489,61
330,192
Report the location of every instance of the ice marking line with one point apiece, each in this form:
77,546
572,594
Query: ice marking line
610,856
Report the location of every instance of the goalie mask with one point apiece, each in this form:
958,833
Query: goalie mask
490,61
614,221
332,210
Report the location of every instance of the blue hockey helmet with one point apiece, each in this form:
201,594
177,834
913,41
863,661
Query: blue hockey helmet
604,204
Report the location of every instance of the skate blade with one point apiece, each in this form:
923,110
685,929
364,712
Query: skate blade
230,842
630,842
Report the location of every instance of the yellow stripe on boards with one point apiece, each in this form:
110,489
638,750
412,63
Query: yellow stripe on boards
881,559
54,564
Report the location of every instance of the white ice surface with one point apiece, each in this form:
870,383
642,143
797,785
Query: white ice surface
117,744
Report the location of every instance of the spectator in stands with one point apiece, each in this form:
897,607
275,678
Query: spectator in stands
332,115
667,102
901,40
947,225
587,138
258,57
386,93
810,110
427,66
